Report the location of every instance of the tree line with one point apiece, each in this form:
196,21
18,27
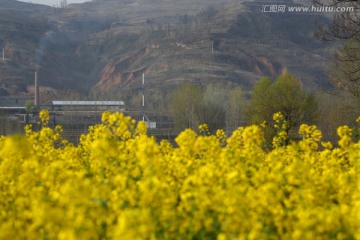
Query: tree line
225,106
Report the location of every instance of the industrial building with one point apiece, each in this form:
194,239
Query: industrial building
88,106
74,116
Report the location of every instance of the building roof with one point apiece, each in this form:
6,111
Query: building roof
12,108
88,103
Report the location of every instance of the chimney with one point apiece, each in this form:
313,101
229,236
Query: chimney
36,101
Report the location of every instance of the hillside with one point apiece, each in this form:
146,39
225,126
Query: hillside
102,47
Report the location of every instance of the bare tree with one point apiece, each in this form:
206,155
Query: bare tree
235,109
345,27
183,104
345,24
345,71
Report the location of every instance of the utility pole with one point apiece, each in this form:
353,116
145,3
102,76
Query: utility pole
3,54
37,88
36,102
143,96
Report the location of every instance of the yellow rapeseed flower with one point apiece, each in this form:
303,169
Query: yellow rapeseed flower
120,183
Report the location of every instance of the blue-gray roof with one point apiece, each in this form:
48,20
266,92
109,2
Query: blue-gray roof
88,103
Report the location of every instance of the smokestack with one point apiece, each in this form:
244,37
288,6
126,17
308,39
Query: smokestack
36,101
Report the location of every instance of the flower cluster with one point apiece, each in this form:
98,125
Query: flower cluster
281,127
119,183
